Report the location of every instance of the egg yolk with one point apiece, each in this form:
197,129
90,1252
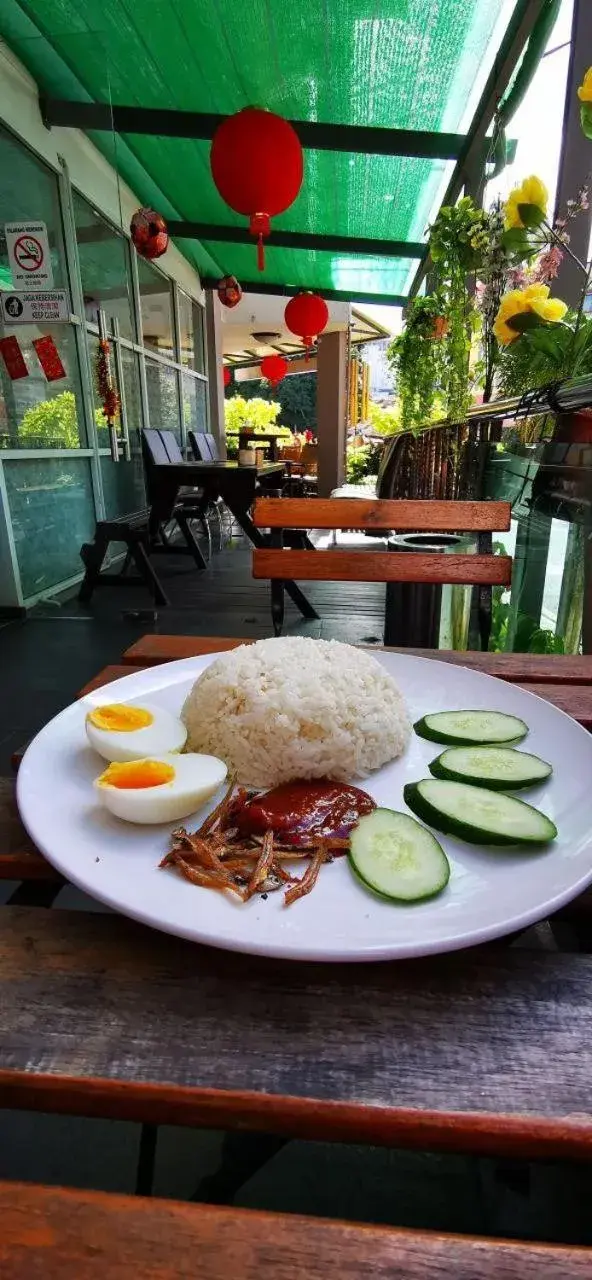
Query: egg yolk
136,775
116,717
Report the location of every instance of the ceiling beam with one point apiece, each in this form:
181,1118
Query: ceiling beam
522,24
364,139
298,240
331,295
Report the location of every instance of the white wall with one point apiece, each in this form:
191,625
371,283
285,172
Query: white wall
89,171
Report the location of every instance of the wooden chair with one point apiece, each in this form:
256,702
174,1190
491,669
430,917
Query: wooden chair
335,565
204,446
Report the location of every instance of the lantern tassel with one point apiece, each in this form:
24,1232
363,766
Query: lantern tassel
260,252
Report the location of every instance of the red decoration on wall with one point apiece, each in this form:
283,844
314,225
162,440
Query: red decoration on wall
227,376
107,392
256,162
13,358
148,231
307,315
274,368
229,291
49,358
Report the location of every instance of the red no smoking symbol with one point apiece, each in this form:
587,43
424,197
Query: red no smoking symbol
28,253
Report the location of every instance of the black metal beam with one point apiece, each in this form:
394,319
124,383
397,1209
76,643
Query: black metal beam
365,139
520,28
298,240
331,295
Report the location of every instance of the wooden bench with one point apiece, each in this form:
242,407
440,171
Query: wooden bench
58,1234
133,531
379,516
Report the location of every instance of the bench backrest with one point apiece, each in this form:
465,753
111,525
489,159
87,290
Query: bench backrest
379,516
204,446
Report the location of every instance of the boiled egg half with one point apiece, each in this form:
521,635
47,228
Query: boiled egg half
160,788
124,731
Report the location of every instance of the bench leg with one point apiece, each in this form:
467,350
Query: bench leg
277,605
243,1155
191,540
300,600
92,555
146,571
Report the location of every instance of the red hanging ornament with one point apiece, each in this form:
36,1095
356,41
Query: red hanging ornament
257,166
306,315
149,234
227,376
229,291
107,393
274,368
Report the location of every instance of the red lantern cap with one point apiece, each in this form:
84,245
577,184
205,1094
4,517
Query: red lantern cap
149,234
257,166
274,368
306,315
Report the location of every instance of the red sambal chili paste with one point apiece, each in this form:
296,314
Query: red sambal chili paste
303,812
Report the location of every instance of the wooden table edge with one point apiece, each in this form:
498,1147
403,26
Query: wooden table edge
309,1118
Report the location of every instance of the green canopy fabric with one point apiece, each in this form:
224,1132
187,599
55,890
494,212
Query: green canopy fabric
420,64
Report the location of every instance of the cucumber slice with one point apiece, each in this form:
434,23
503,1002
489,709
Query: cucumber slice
468,728
476,814
395,856
497,768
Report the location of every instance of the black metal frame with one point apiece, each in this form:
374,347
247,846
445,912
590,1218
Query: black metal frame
356,139
288,290
183,230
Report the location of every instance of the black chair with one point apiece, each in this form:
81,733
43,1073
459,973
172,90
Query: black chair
204,446
161,448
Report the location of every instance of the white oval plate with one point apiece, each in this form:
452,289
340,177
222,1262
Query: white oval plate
491,892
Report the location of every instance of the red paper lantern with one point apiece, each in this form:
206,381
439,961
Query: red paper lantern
256,162
227,376
274,368
306,315
229,291
148,230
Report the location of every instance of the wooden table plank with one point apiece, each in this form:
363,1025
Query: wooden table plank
537,668
574,699
61,1234
19,859
104,1017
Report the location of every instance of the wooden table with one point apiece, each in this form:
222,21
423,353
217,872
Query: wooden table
236,485
481,1051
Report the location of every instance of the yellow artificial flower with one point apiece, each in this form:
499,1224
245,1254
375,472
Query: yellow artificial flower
531,191
585,89
535,298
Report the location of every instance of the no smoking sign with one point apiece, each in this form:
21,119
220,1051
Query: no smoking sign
28,255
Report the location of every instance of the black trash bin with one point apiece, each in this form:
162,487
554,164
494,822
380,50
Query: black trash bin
412,609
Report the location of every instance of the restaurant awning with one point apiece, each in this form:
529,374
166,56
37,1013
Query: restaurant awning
392,102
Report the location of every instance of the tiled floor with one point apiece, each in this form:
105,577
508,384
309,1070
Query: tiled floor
43,662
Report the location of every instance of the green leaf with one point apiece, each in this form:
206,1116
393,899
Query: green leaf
531,215
586,118
515,239
524,321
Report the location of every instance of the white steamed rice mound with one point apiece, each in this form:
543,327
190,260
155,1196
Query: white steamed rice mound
297,708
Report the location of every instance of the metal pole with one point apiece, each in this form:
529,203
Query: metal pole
575,158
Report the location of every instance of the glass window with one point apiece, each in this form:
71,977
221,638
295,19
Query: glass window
156,305
191,332
163,401
52,514
104,267
29,191
131,389
35,413
195,414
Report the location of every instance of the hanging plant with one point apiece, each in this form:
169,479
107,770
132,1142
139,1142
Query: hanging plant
107,392
459,240
416,358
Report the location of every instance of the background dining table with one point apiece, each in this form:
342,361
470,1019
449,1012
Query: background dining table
487,1051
